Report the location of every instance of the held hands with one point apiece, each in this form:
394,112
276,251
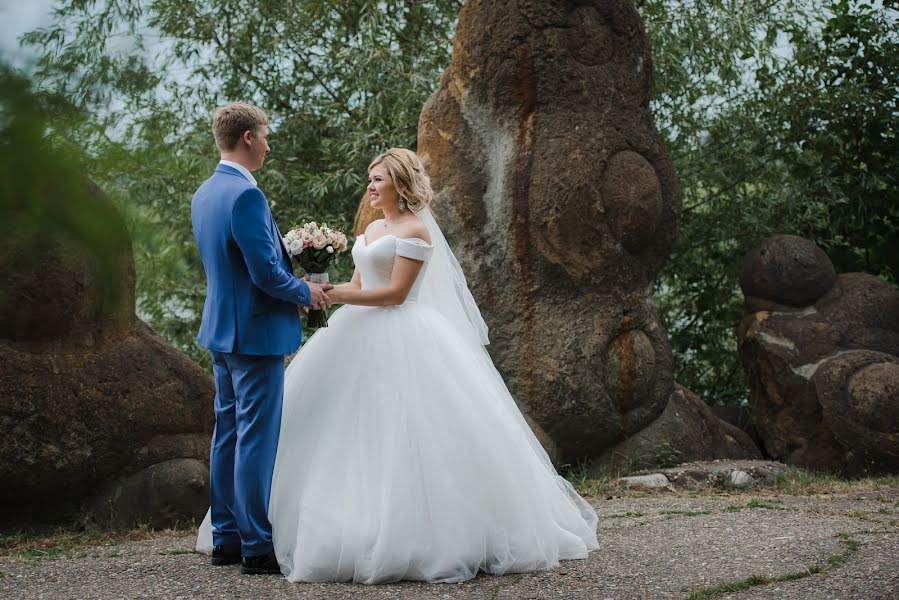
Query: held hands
320,299
336,294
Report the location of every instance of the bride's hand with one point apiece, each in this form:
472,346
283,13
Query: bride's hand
335,294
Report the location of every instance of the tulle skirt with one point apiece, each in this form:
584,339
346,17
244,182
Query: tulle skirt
402,455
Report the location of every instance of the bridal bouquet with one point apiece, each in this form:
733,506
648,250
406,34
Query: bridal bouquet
315,246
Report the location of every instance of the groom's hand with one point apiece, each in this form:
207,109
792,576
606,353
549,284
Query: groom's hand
317,293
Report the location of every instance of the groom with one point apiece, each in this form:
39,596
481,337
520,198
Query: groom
250,321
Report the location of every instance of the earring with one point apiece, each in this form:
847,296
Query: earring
401,205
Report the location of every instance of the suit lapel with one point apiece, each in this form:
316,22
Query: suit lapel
280,237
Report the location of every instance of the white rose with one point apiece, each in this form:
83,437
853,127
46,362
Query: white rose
330,250
296,247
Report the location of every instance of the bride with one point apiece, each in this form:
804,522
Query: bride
402,454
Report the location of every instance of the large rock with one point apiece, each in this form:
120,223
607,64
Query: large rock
792,271
686,431
821,359
559,198
165,494
91,396
561,202
859,395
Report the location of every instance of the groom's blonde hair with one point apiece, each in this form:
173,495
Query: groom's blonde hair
229,122
409,177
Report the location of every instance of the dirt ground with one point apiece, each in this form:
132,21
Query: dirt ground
661,545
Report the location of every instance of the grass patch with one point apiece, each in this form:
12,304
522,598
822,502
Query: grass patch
860,514
685,513
757,503
750,582
595,487
579,477
11,539
802,482
792,481
727,588
57,543
668,514
850,547
53,544
666,456
107,554
626,515
675,512
870,518
52,552
177,552
753,503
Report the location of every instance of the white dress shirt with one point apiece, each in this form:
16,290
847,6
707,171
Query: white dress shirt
243,170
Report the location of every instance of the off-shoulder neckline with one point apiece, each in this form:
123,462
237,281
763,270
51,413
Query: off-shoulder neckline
362,235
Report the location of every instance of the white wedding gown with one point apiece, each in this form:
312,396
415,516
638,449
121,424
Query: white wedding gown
402,454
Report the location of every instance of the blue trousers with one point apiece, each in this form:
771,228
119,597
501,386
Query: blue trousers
249,391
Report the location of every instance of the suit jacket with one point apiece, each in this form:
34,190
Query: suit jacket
251,292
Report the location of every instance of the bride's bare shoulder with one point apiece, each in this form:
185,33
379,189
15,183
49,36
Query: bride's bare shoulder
374,226
414,229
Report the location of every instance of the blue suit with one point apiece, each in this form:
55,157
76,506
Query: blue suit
250,321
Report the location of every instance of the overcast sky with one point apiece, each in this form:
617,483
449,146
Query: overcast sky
17,17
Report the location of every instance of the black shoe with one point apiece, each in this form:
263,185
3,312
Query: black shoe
225,554
266,564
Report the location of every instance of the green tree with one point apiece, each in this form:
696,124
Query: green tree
341,81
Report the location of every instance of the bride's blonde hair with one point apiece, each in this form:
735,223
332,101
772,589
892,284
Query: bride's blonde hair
409,177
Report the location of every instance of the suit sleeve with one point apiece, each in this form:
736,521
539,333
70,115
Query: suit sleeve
250,226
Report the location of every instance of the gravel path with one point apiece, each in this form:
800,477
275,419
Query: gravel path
842,547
